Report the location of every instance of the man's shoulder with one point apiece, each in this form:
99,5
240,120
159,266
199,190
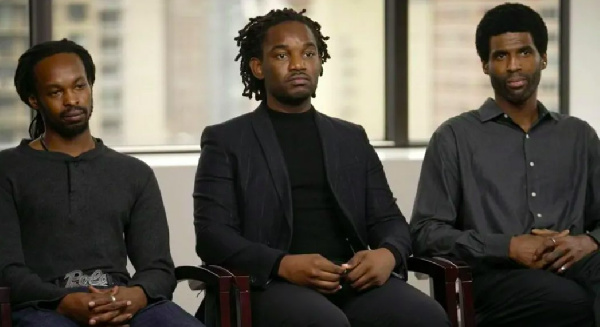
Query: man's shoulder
233,124
121,161
340,123
11,157
459,122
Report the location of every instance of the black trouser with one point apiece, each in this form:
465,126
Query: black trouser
394,304
528,297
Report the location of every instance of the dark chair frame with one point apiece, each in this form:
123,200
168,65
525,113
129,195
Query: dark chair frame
5,312
227,297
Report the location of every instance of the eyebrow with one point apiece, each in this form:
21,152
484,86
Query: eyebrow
501,51
285,47
78,79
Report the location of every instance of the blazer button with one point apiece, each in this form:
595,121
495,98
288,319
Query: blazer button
252,280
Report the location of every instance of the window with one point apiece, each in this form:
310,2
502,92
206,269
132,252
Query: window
172,61
110,16
165,68
445,77
14,33
77,12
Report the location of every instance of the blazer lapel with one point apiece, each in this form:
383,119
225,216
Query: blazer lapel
263,128
331,154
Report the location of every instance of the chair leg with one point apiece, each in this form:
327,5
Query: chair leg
466,303
445,293
5,315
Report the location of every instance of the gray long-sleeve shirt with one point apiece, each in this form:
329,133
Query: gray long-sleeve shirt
484,180
60,214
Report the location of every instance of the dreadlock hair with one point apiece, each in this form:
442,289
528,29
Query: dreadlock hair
251,37
25,75
507,18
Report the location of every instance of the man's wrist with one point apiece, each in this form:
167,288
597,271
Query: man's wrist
281,267
394,254
593,243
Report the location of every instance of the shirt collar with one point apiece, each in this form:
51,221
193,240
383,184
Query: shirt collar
490,110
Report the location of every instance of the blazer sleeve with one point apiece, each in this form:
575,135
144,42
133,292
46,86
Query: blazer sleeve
216,217
386,226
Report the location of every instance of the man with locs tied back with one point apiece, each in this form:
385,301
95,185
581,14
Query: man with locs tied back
299,200
72,211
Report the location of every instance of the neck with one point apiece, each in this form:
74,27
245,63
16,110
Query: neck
277,105
523,114
72,146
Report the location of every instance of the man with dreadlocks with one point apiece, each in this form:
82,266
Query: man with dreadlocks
72,211
299,200
513,189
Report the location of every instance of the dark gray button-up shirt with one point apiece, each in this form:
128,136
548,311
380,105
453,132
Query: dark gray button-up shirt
484,180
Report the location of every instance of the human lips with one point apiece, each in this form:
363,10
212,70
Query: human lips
516,82
73,115
299,79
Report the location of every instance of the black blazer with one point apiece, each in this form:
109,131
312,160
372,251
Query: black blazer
242,196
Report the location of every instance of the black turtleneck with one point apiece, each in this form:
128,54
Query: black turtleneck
316,215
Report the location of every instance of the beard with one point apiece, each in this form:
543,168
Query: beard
288,98
517,97
67,131
291,100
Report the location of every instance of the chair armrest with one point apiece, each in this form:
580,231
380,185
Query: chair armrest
434,267
5,311
225,281
465,291
443,273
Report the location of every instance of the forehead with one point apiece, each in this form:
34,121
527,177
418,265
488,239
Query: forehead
511,40
59,68
287,33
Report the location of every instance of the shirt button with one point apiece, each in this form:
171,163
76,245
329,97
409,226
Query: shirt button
531,164
505,116
526,136
539,215
534,195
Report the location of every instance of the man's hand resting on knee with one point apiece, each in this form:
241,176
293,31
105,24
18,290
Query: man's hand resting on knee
311,270
370,268
523,248
79,307
103,314
562,251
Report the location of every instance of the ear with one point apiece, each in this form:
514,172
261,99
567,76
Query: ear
544,61
485,65
256,67
33,102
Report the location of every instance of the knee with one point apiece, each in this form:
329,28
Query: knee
424,313
320,318
576,303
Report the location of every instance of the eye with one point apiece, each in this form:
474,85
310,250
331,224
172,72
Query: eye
80,86
526,52
55,93
281,56
500,56
310,54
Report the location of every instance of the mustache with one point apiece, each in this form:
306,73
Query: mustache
299,74
72,109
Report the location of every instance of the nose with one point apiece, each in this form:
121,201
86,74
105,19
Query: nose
70,98
297,62
514,64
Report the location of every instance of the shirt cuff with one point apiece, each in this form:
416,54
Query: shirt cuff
497,245
595,235
275,270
